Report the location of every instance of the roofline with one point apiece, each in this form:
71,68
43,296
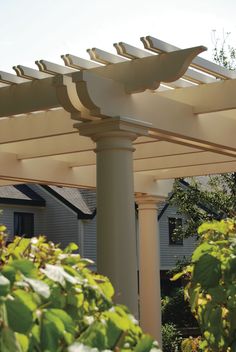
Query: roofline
80,214
26,190
25,202
165,207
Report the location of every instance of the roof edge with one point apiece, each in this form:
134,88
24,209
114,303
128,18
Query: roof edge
81,215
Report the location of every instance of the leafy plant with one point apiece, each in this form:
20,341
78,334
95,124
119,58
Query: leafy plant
176,310
51,301
171,338
212,287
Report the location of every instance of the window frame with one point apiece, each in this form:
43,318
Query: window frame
23,214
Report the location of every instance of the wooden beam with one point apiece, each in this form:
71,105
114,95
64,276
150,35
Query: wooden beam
27,97
206,98
68,144
180,161
48,171
170,120
71,146
189,171
34,126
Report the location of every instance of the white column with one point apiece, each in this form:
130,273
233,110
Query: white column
116,238
149,265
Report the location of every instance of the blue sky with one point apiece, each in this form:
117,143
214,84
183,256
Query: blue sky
31,30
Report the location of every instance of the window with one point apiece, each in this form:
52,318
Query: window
174,237
24,224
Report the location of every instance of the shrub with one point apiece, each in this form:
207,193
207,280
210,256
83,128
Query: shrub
171,338
51,302
177,311
212,287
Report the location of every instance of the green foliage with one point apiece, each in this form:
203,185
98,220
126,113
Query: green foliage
223,53
51,302
212,288
213,199
171,338
176,310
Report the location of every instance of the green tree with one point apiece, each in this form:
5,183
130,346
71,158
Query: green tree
204,199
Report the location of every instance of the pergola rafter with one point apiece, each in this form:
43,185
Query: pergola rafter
151,114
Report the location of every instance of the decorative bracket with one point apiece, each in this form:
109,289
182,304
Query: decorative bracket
148,72
81,93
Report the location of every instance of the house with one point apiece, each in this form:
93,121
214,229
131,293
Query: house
67,215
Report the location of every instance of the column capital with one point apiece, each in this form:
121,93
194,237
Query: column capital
113,127
144,200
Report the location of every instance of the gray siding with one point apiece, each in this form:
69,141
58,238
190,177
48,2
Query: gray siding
90,240
61,222
171,253
61,225
7,217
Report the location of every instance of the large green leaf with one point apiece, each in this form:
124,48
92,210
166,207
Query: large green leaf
119,318
49,337
58,297
53,314
105,286
8,341
95,336
4,285
26,267
194,294
9,272
49,316
218,295
20,317
26,298
201,249
23,342
207,271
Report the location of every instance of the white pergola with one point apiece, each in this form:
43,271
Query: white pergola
149,114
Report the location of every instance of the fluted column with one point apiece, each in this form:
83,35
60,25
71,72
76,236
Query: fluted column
116,238
149,265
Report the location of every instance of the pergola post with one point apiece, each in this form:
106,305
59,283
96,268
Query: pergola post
149,265
116,238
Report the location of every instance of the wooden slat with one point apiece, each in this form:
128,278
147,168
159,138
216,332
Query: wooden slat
130,51
51,68
30,73
104,57
158,46
77,62
10,78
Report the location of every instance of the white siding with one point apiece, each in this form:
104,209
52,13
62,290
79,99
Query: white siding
171,253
